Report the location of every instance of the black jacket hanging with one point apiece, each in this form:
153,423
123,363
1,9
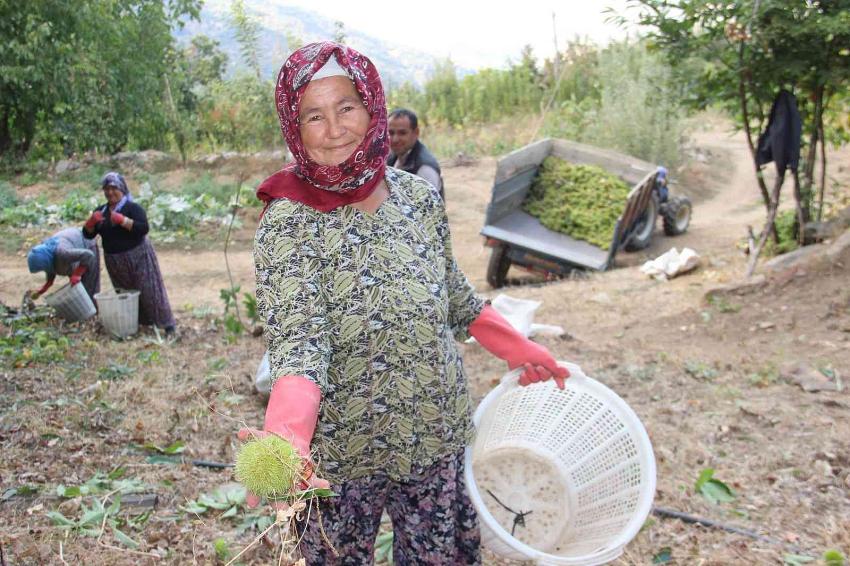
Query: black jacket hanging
780,142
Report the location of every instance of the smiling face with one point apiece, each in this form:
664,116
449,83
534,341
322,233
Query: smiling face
332,120
113,194
402,135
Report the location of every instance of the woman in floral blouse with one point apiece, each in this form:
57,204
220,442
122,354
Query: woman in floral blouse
363,305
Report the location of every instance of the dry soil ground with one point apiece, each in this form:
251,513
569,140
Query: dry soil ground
705,377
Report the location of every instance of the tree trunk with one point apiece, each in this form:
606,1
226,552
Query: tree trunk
175,120
801,216
5,135
809,170
742,95
22,147
821,188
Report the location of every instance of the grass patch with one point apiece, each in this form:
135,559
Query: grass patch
786,231
207,185
8,195
11,241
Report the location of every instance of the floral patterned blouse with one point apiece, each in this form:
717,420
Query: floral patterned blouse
369,307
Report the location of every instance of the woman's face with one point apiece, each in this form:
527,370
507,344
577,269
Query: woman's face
332,120
113,194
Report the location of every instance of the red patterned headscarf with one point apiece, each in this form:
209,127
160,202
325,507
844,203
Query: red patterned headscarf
326,187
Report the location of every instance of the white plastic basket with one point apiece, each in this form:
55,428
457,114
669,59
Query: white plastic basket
579,459
119,311
71,302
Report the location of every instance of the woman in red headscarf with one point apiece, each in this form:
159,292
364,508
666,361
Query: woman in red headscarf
363,305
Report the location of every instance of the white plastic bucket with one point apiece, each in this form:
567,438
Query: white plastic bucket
71,302
119,311
579,459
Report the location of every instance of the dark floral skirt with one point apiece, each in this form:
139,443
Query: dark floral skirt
138,269
434,522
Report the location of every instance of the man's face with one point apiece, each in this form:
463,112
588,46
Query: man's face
402,136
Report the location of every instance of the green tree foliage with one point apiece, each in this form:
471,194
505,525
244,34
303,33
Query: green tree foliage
86,74
639,113
193,69
739,54
247,32
203,61
239,114
622,97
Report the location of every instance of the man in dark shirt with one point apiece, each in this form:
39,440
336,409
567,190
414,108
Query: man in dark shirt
408,153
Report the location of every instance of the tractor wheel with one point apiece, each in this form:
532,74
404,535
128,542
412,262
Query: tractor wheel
641,235
676,215
497,269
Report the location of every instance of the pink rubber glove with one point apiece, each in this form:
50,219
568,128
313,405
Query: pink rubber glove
95,218
502,340
117,218
77,274
292,413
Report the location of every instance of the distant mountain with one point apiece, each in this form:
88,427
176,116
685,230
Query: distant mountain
396,64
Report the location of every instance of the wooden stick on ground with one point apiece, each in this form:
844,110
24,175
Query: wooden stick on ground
685,517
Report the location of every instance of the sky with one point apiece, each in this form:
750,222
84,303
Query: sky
474,34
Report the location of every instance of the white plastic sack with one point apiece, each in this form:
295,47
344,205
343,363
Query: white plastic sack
263,379
520,313
671,263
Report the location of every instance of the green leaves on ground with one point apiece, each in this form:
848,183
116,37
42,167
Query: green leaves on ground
714,490
170,454
30,339
227,498
700,370
176,447
834,558
663,556
723,305
20,490
114,372
95,516
100,483
308,494
830,558
90,520
222,552
796,559
582,201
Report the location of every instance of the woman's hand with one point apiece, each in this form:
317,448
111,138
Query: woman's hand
292,413
502,340
77,274
308,481
95,218
117,218
47,284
